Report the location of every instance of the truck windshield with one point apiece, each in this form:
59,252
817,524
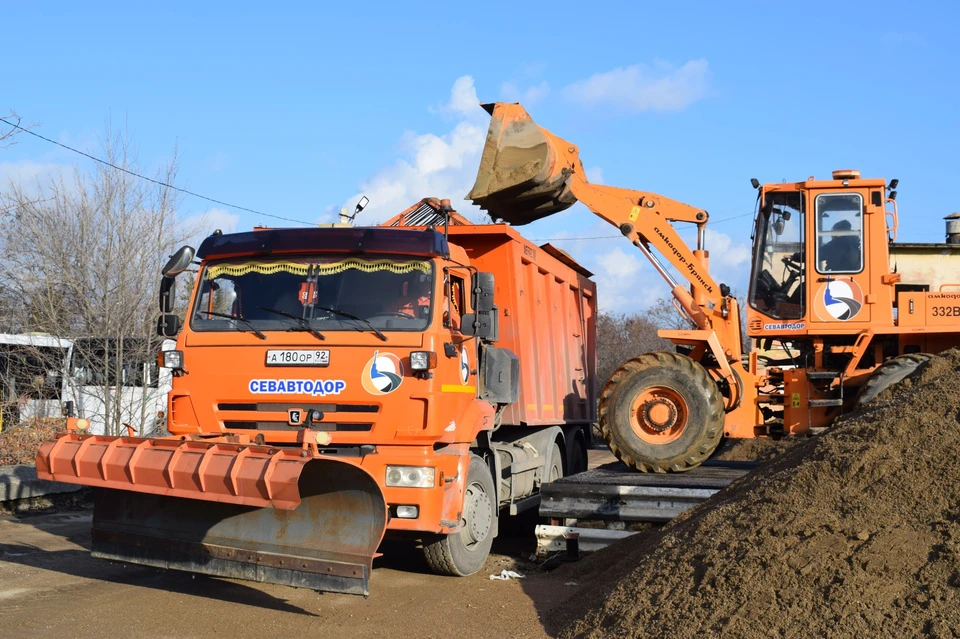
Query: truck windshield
776,285
327,293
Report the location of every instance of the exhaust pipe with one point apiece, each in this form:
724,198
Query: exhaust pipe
953,228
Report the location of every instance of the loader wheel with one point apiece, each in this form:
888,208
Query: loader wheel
887,374
465,551
661,412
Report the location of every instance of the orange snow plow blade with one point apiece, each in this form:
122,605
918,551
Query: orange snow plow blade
223,509
522,175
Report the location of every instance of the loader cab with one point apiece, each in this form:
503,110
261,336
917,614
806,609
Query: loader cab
819,246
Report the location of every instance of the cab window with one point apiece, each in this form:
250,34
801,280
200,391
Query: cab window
456,298
839,233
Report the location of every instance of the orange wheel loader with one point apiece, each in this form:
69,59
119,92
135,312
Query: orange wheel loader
417,379
839,310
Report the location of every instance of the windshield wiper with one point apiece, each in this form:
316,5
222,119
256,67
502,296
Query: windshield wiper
304,324
246,322
336,311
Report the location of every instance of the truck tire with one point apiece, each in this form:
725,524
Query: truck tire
887,374
464,552
576,457
661,412
556,464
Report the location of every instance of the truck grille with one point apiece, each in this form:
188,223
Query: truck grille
228,413
285,406
317,426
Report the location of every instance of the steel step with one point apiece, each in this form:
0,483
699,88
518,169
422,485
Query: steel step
823,374
823,403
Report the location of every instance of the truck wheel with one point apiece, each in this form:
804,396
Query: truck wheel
577,459
556,464
887,374
465,551
661,412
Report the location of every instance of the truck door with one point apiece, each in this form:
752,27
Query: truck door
839,289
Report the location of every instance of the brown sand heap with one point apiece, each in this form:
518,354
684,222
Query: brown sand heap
852,534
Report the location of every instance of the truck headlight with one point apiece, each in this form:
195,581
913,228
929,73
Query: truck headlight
410,476
172,359
423,360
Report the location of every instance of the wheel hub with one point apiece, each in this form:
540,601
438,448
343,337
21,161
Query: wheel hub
660,414
477,514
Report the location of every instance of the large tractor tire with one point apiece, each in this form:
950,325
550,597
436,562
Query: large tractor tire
887,374
661,412
465,551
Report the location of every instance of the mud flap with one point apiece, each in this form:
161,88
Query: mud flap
326,543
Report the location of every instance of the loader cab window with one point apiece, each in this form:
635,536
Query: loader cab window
839,233
776,284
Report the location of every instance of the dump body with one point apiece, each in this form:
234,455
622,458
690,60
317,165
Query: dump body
334,365
547,310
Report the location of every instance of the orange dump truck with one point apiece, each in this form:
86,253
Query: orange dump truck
420,379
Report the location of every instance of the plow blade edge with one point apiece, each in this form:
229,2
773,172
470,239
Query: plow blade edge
253,513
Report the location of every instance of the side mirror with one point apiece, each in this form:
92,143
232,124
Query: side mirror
168,294
483,293
480,325
168,325
178,262
468,324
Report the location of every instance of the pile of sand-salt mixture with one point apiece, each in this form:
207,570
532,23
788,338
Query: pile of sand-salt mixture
855,533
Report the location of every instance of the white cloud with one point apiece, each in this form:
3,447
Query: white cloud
616,263
621,285
441,166
463,99
510,92
724,252
595,174
641,87
202,224
33,176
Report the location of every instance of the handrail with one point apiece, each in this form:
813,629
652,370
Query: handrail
896,219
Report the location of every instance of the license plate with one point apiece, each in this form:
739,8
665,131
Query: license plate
290,357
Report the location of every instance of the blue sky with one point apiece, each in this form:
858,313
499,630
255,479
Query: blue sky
297,109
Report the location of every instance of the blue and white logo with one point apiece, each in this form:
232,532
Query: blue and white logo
464,367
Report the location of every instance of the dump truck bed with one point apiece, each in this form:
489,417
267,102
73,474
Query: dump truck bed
547,307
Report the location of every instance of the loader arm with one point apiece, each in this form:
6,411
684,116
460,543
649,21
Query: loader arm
527,173
645,219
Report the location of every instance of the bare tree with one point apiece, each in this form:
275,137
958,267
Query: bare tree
12,125
622,337
83,262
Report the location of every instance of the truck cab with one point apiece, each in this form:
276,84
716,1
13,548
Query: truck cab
381,347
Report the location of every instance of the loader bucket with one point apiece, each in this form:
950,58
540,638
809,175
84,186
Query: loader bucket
522,174
243,512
